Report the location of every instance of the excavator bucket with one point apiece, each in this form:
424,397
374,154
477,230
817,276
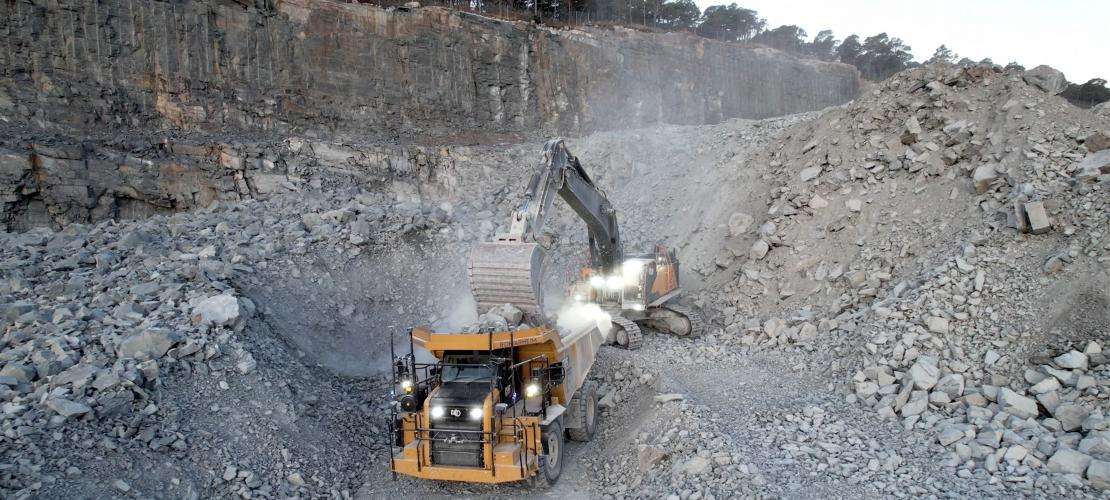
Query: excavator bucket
507,272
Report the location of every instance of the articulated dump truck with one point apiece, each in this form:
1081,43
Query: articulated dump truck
494,406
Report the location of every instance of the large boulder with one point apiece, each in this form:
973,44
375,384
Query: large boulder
1046,78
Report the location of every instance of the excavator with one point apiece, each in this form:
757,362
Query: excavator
496,404
632,288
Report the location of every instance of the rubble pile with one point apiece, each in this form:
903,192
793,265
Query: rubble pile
95,317
943,318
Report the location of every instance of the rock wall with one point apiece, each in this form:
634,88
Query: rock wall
363,71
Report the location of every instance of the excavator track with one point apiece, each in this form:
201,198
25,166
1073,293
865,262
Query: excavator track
676,320
507,273
628,334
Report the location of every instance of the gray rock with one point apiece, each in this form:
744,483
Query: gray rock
950,434
696,466
917,404
924,373
154,342
1071,416
512,315
937,324
67,408
1015,404
810,173
1094,165
18,371
911,131
739,223
1071,360
1039,223
759,249
1098,473
246,363
1046,78
983,176
1068,461
952,385
1095,442
1097,141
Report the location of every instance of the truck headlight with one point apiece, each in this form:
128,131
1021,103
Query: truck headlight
532,390
631,269
437,412
476,413
597,281
406,385
615,282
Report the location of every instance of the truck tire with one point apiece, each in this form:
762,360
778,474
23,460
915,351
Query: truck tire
552,437
585,407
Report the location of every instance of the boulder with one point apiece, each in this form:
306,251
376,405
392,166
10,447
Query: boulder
1071,360
512,315
1098,141
18,371
1098,473
911,131
1046,78
937,324
1068,461
983,176
1035,213
924,373
739,223
759,249
1015,404
218,310
952,385
1094,165
810,173
67,408
153,342
696,465
1071,416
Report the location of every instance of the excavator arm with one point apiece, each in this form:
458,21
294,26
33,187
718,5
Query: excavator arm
510,268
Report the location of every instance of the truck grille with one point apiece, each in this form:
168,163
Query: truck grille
457,440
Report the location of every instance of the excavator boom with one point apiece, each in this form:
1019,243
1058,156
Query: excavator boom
510,268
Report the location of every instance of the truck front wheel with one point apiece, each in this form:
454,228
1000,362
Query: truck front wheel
552,437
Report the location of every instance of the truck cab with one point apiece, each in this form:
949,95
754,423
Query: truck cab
492,407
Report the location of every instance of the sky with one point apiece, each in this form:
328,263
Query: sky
1072,36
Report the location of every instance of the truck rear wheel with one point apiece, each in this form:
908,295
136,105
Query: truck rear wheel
585,404
552,437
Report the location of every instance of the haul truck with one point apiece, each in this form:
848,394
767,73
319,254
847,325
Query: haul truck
494,406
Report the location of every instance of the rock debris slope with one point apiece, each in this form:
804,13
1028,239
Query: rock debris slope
908,295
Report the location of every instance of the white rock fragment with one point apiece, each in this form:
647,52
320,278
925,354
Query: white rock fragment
218,310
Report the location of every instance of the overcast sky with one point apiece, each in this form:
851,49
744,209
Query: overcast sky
1070,35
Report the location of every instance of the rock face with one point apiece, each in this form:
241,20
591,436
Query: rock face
354,73
356,68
